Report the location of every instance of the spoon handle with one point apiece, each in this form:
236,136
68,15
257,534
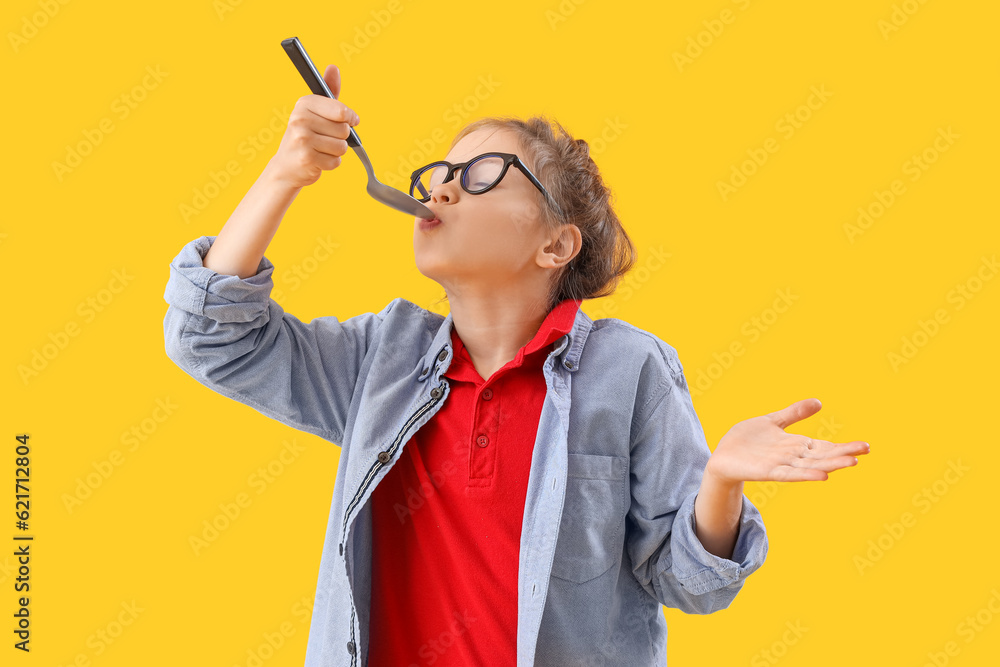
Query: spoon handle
293,47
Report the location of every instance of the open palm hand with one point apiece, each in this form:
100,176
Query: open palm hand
759,449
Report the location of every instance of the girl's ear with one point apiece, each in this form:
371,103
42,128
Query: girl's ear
570,240
567,244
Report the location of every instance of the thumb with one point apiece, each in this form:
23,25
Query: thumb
332,78
796,412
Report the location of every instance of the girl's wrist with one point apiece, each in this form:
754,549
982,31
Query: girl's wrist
712,476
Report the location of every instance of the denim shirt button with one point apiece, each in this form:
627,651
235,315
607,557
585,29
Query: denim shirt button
436,392
443,355
383,457
350,648
568,364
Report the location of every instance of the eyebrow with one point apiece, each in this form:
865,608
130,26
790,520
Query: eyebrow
445,159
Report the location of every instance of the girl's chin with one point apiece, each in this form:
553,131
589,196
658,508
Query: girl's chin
441,273
431,269
451,266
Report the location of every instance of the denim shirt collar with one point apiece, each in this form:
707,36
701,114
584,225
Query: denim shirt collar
569,347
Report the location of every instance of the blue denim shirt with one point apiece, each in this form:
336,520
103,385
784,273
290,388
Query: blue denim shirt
608,533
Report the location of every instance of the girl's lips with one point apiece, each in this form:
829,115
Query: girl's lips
426,224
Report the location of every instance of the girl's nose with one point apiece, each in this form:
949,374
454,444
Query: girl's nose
443,192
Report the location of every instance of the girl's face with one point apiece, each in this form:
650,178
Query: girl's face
488,240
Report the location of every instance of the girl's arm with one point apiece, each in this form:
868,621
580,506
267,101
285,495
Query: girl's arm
669,457
759,449
314,141
230,335
717,510
244,238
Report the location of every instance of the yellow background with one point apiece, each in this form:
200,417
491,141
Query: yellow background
680,130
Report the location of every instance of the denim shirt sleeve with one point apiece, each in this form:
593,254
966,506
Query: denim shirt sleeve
230,335
668,458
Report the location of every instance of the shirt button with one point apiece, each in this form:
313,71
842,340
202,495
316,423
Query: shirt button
444,353
383,457
350,648
482,441
568,364
487,394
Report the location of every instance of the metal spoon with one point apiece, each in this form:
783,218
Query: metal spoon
379,191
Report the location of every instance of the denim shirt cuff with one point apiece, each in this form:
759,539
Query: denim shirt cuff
197,289
700,571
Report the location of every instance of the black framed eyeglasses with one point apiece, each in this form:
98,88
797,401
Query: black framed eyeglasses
480,174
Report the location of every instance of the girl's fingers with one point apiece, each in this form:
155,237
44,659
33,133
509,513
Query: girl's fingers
795,412
856,447
819,449
793,474
822,457
829,465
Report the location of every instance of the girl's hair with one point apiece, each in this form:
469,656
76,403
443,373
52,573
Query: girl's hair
564,166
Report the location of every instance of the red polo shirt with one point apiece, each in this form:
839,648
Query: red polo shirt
447,516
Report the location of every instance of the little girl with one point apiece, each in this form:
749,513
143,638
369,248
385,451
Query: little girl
518,484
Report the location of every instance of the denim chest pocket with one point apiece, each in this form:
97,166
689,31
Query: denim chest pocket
593,519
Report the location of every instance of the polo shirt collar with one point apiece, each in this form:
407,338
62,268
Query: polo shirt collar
566,324
557,323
